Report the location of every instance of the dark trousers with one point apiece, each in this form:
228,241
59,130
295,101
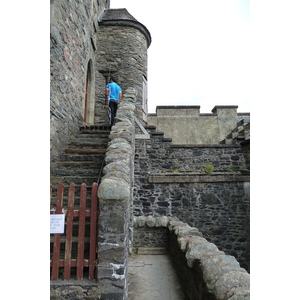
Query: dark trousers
113,105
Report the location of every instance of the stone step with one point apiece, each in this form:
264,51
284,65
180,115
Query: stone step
87,143
78,164
80,172
67,179
243,122
85,150
88,157
102,128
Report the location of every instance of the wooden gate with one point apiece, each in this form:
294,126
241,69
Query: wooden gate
76,222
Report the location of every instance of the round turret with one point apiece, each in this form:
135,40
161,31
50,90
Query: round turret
123,44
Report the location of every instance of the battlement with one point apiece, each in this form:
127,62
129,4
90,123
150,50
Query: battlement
186,125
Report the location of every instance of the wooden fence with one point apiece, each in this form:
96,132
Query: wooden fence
60,265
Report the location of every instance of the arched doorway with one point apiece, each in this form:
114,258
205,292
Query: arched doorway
89,100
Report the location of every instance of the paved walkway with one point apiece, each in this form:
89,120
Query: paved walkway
152,277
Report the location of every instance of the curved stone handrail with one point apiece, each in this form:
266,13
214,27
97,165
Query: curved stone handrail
208,271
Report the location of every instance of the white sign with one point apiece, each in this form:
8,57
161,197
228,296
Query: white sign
57,223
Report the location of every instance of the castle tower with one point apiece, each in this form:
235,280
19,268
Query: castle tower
123,44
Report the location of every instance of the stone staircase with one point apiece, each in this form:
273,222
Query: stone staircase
239,134
82,158
80,163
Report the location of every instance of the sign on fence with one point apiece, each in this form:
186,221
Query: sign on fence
57,223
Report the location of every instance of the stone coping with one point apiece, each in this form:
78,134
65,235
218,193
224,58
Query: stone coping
214,110
205,146
221,273
192,177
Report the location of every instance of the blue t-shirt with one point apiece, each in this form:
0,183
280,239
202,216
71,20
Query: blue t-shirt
114,91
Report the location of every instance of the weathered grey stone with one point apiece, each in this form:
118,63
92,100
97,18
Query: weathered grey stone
181,231
117,156
240,295
227,284
125,105
164,221
150,221
215,265
120,146
116,141
117,175
113,189
183,241
198,250
121,132
123,125
141,221
174,223
116,166
134,221
82,290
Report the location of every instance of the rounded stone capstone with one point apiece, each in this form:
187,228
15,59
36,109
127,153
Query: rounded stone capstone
113,189
121,146
116,166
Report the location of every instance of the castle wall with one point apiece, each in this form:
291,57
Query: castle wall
185,124
72,47
170,180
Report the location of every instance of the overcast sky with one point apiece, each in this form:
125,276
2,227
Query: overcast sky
199,53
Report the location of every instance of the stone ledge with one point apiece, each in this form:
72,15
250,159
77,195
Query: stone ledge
205,146
195,177
151,250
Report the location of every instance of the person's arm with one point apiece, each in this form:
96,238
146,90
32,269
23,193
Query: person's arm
120,96
106,96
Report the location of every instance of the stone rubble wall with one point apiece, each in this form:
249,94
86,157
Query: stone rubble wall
170,181
115,198
204,271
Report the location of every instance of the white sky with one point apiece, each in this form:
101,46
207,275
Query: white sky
199,53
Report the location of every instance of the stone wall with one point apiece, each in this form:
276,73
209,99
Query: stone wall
115,198
185,124
73,42
203,270
170,180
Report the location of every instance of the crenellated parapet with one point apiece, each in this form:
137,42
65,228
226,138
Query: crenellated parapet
186,125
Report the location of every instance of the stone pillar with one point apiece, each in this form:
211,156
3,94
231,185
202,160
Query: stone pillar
115,203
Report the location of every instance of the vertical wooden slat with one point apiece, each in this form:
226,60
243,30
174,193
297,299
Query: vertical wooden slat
81,232
56,244
50,194
93,232
69,232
